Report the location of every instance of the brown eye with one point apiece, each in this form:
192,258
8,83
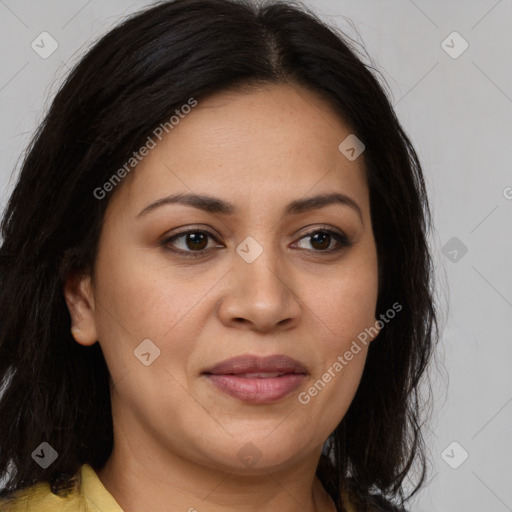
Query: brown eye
196,240
192,241
322,240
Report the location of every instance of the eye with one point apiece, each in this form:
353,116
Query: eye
322,240
191,241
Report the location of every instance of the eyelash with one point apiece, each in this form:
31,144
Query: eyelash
341,238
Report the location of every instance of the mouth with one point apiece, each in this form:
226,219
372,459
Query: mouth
257,380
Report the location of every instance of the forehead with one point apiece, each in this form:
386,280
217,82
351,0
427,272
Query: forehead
270,144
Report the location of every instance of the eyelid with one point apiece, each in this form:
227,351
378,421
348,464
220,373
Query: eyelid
323,227
191,229
343,240
167,238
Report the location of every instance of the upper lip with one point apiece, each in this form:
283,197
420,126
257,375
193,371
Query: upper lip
257,364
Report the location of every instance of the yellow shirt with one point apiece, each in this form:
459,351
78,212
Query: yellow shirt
92,497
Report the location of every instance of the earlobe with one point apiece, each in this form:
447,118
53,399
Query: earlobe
79,298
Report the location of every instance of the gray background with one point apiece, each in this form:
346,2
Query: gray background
458,113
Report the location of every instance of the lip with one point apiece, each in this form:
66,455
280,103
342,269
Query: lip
229,377
257,364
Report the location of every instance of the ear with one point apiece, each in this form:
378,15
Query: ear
80,301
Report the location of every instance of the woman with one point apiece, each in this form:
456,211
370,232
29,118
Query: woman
216,286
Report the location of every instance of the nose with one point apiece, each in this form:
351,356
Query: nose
260,296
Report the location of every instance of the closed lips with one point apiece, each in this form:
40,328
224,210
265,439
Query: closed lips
251,366
257,380
258,375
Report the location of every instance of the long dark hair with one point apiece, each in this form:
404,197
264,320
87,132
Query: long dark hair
130,81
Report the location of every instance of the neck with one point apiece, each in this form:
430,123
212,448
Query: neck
168,483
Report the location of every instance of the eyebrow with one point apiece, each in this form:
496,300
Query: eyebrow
215,205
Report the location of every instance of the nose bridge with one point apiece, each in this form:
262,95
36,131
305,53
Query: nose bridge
259,294
259,267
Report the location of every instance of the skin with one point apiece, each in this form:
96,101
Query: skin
176,436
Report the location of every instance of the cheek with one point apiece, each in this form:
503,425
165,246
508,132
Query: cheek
339,355
344,300
342,313
344,306
140,298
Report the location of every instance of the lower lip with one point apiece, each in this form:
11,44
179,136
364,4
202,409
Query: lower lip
258,391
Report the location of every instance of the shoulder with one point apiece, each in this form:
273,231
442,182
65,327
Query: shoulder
88,494
375,504
382,505
39,498
366,502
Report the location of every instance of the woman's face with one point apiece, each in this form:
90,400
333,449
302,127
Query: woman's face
262,273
